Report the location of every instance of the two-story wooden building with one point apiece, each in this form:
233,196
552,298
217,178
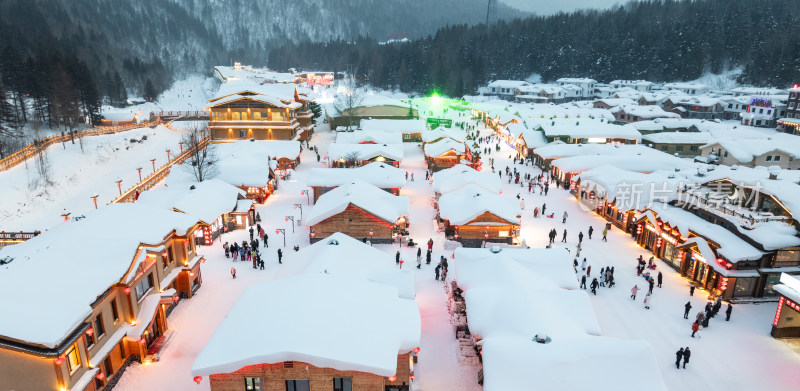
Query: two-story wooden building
242,111
92,294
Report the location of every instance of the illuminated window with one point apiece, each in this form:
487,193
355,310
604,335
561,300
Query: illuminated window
144,287
253,384
73,359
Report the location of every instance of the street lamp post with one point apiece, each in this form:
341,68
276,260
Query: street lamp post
153,161
168,151
299,206
181,145
292,223
119,186
140,173
94,198
281,231
306,193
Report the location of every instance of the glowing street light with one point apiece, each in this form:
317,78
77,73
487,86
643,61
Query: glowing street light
140,173
119,186
94,198
153,161
299,206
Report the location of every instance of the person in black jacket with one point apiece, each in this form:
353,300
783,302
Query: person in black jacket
280,255
678,358
688,307
728,312
686,355
594,285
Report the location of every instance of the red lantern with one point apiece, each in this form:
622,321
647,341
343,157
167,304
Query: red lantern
164,254
486,235
191,274
198,379
456,236
175,298
277,232
392,378
101,376
142,340
89,331
127,290
59,361
416,350
286,219
371,233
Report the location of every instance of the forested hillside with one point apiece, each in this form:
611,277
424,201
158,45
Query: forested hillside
656,40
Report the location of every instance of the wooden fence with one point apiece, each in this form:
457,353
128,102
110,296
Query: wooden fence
9,238
159,175
183,115
37,145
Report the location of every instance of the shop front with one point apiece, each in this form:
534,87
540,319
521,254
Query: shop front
717,277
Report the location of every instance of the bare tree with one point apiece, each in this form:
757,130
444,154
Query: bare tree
351,159
40,155
348,102
202,161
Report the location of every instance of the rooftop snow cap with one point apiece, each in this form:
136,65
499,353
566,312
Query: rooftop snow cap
495,249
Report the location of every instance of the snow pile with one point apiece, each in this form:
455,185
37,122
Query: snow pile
345,257
207,200
464,205
635,190
341,152
460,175
91,253
359,137
377,174
444,133
513,296
438,148
324,320
361,194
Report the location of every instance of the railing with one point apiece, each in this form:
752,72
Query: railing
752,216
183,115
38,145
153,179
9,238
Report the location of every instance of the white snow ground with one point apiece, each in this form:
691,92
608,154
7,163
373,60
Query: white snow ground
730,355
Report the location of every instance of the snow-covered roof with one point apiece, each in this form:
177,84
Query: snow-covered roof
698,138
377,174
539,267
626,83
90,254
683,86
338,151
507,84
119,115
732,247
206,200
640,162
572,80
583,128
438,148
282,92
650,111
789,287
335,322
376,137
361,194
614,102
745,150
562,150
440,133
460,175
467,203
345,257
271,100
405,126
515,362
692,100
635,190
275,149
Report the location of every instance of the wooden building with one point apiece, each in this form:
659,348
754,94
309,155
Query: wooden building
360,210
371,339
447,153
88,318
354,155
384,176
786,323
261,112
411,129
475,216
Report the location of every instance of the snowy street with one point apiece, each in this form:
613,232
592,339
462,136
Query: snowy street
743,342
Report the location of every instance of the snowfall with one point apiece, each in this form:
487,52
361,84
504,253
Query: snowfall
734,355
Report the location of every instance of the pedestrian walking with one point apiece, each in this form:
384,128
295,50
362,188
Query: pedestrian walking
428,257
728,312
605,233
647,300
564,238
634,291
233,272
227,252
280,255
419,261
686,355
436,269
583,281
397,257
584,264
700,317
266,240
695,328
251,232
678,358
580,237
687,307
589,270
564,217
594,285
651,283
544,208
430,244
412,177
659,278
691,290
591,229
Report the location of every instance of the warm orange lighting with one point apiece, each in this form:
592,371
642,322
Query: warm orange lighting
392,378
